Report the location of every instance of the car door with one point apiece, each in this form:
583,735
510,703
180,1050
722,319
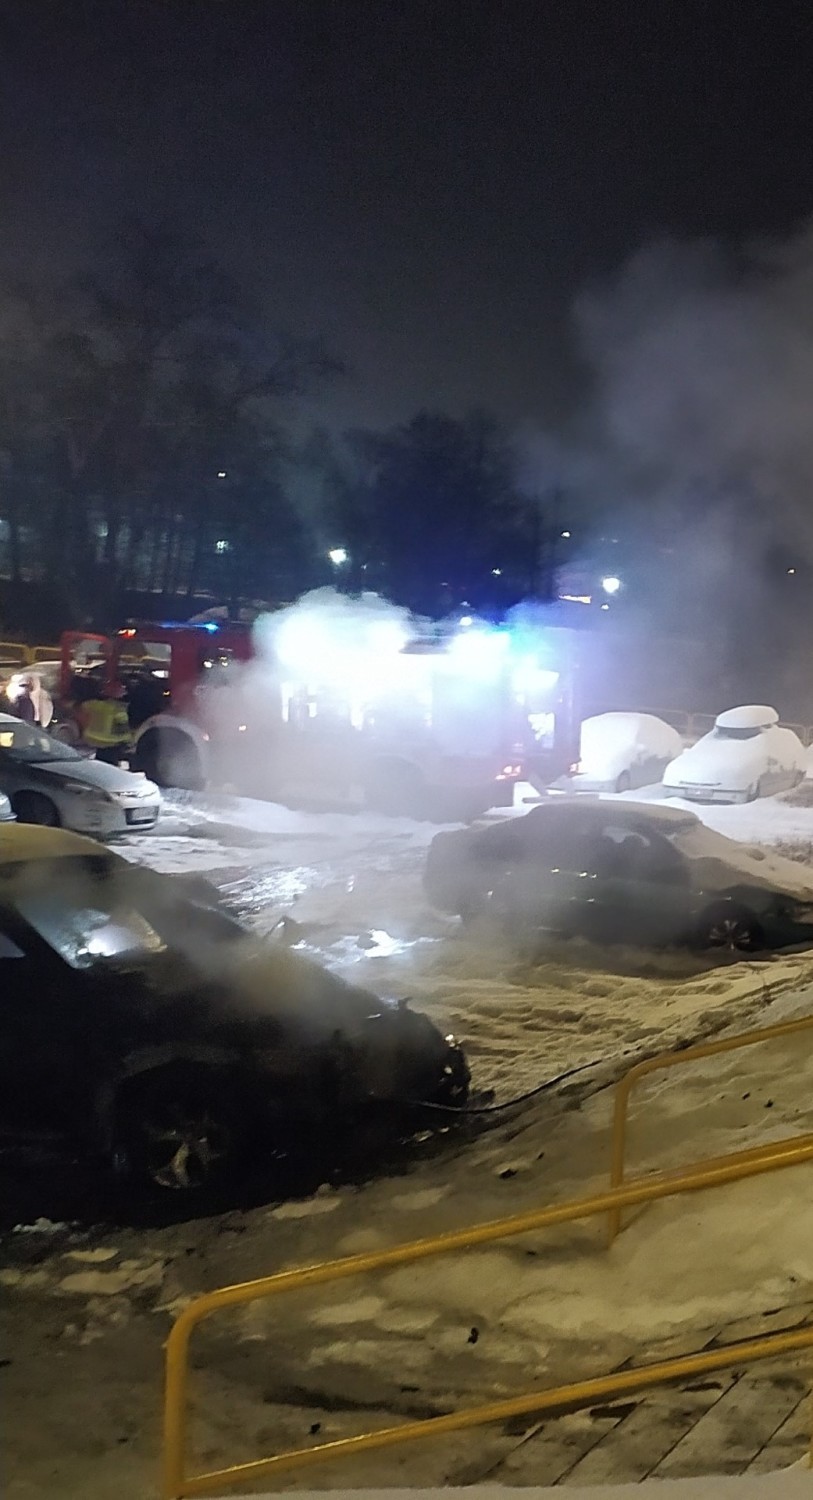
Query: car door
638,886
545,884
44,1083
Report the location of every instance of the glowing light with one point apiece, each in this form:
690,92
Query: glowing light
577,598
566,535
466,621
338,556
611,585
605,606
221,473
221,546
496,572
791,571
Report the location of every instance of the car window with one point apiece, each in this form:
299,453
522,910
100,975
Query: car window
93,910
623,853
558,837
32,747
8,948
86,933
750,732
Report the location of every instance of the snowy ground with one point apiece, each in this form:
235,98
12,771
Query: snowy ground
353,885
86,1309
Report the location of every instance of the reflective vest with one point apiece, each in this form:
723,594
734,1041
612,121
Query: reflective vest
105,722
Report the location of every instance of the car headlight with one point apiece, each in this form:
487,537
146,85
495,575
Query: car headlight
80,788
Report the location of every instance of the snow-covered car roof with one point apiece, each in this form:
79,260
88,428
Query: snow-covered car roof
662,813
621,730
24,841
748,716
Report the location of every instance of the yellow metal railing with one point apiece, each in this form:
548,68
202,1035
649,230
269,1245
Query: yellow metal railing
665,1060
177,1484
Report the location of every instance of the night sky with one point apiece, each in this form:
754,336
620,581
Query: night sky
425,185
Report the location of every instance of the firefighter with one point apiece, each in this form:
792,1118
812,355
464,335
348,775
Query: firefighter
105,725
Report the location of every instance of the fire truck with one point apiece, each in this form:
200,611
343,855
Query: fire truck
441,724
168,671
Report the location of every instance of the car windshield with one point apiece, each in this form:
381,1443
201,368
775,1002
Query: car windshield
95,910
749,733
32,747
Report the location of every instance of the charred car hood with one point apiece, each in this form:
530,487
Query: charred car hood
245,990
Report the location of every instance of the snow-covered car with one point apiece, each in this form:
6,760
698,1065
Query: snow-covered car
746,755
50,783
619,752
145,1027
6,809
621,872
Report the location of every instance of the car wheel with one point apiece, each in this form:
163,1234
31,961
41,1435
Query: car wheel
624,782
734,928
33,807
177,1135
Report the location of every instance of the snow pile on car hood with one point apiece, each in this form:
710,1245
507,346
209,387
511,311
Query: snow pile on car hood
719,863
737,764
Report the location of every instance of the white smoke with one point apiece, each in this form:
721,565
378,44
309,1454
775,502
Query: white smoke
703,361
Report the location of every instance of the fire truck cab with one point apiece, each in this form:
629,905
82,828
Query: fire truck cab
169,671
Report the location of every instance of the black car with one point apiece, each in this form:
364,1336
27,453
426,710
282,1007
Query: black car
142,1023
626,872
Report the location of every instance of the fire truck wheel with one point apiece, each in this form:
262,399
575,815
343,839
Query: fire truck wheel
170,758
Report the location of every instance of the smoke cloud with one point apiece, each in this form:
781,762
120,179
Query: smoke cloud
703,366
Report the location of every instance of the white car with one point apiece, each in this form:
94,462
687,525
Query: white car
51,783
620,751
746,755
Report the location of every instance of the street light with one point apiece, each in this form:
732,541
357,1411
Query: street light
611,585
338,556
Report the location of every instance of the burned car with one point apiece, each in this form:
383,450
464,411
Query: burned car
622,872
142,1023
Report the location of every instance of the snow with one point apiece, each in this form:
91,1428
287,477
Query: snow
749,716
349,889
614,742
788,1484
88,1310
721,860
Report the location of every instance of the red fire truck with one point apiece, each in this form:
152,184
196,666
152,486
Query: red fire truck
440,724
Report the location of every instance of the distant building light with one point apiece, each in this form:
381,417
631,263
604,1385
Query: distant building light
496,572
605,606
222,545
611,585
577,598
791,571
221,473
566,535
338,556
